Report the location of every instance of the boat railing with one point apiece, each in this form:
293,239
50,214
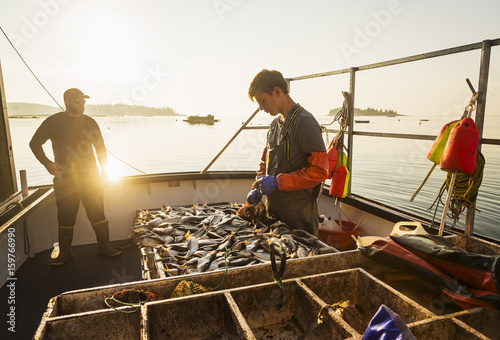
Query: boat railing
485,47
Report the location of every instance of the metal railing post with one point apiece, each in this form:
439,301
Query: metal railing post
480,111
350,129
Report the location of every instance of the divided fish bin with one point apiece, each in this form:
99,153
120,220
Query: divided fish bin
102,324
272,314
250,306
357,296
483,320
169,259
90,299
453,329
195,317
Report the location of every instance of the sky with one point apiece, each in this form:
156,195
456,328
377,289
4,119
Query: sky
199,56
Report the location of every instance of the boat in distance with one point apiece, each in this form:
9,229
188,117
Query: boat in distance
208,119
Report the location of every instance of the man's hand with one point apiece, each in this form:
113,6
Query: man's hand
254,196
267,184
54,169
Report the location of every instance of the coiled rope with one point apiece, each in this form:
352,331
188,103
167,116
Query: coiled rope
464,192
342,116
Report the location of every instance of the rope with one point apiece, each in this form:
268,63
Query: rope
226,256
317,322
465,189
121,160
342,116
19,54
124,304
464,193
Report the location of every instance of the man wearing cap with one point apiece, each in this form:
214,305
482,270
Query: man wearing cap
74,136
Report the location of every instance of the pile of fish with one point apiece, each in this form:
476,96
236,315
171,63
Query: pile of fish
209,237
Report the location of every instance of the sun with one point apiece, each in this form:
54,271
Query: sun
113,171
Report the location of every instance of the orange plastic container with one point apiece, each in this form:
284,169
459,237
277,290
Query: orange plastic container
460,152
332,154
340,240
437,148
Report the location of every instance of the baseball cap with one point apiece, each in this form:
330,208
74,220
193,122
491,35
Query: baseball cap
73,94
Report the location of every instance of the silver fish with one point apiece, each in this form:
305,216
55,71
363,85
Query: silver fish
192,244
205,261
150,241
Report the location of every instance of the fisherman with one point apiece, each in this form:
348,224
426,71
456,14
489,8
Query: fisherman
294,162
74,136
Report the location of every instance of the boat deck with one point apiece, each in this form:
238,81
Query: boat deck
84,270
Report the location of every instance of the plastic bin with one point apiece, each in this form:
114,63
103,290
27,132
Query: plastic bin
340,240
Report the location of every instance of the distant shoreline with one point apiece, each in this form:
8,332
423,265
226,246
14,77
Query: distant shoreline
29,110
93,116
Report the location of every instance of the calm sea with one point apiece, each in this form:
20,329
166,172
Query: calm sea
384,169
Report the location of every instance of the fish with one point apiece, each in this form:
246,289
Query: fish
227,242
253,245
169,239
205,261
150,241
217,263
199,238
192,245
162,230
207,242
192,219
200,232
193,262
154,223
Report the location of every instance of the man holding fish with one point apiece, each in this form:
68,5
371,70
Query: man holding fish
294,162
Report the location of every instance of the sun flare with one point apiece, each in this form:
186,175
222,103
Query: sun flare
113,171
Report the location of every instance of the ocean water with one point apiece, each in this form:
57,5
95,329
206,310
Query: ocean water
384,169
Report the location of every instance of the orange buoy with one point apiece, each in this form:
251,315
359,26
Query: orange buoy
461,148
340,179
332,153
437,148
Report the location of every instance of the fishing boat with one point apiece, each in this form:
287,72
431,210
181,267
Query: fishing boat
361,121
208,120
251,302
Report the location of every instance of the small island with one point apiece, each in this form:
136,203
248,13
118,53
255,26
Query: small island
368,112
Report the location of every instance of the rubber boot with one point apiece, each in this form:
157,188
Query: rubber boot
102,234
65,239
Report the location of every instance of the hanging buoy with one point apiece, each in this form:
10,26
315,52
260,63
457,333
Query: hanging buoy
332,153
436,152
340,179
461,148
437,148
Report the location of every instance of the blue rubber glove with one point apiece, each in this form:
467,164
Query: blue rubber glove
267,184
254,196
